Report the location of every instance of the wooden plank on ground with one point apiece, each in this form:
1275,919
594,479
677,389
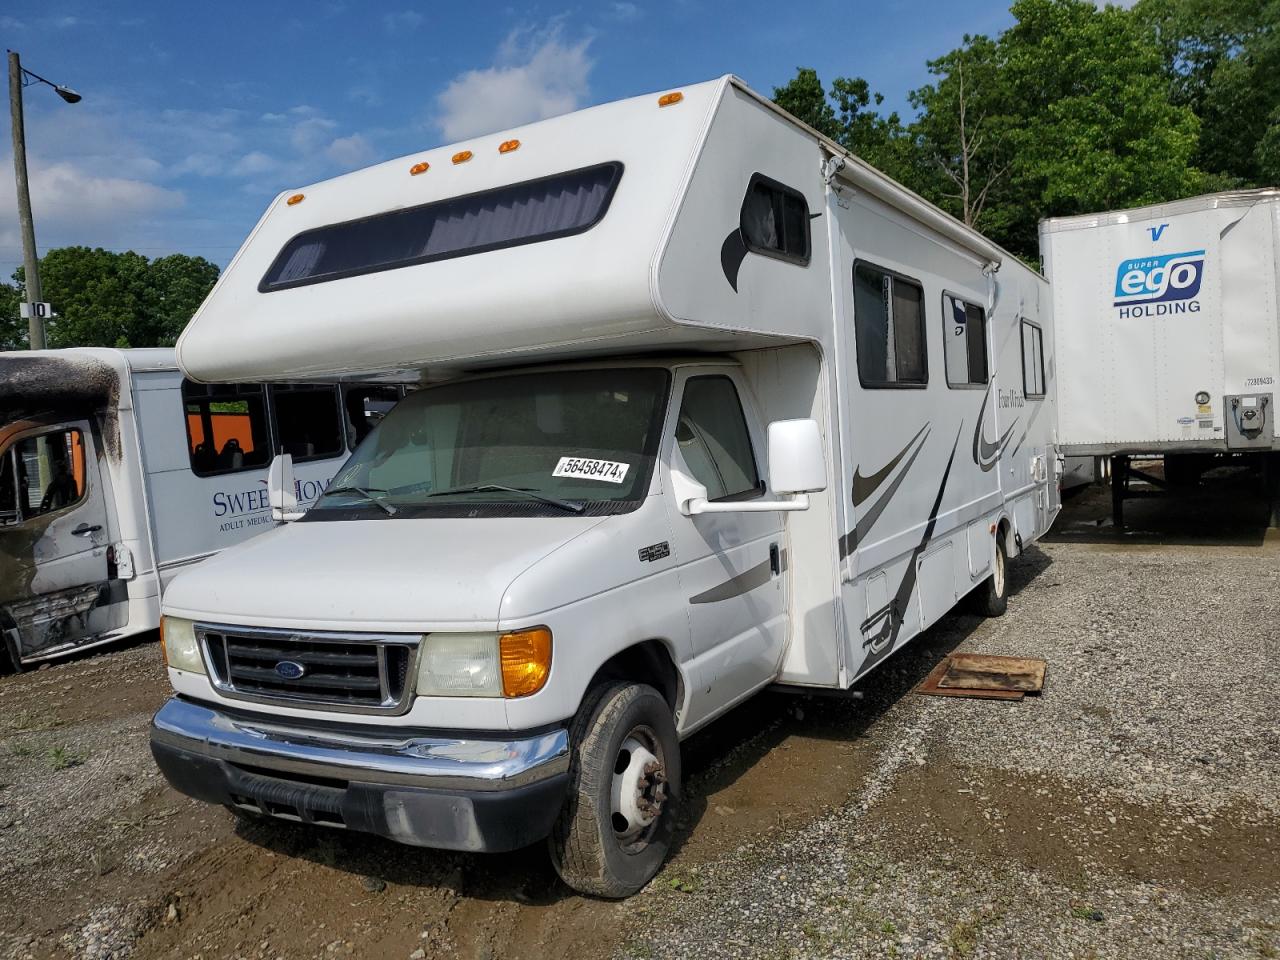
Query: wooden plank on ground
976,671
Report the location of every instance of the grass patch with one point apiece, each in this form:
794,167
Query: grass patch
62,758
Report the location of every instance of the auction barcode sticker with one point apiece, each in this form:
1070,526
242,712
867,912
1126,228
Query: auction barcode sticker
582,468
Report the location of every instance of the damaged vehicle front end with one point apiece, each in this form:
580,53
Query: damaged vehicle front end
60,583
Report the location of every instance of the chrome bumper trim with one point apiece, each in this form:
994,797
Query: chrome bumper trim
446,763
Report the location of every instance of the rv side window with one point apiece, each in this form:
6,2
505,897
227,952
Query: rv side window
1032,360
775,220
42,474
528,212
308,424
714,440
888,322
964,333
226,427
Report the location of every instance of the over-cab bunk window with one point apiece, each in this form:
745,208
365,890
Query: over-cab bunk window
888,323
964,335
528,212
775,220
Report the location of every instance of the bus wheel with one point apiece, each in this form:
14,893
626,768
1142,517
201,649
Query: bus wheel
624,778
991,599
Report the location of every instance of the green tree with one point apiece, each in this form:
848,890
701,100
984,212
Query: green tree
849,114
1068,111
13,329
1222,59
108,299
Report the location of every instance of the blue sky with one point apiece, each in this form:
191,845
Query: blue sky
195,115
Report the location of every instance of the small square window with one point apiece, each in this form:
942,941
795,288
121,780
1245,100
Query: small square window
1032,361
775,220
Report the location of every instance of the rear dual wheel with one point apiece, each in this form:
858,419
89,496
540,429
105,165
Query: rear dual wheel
615,829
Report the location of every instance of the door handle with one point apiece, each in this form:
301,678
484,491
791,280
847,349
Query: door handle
85,529
775,559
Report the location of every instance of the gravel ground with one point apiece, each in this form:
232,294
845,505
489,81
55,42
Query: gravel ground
1132,810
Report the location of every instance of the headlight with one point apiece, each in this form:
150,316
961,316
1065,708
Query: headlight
484,664
459,665
178,642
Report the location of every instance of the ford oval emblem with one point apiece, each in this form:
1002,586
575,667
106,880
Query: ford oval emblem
290,670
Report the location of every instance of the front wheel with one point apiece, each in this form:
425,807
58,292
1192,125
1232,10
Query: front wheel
615,829
992,598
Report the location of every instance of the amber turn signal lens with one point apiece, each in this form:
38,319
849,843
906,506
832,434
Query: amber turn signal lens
418,168
667,99
462,156
508,145
526,661
296,199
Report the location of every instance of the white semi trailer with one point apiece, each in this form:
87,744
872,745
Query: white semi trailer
116,473
709,405
1168,333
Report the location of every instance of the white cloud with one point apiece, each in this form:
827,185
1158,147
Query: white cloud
403,20
253,162
534,76
350,152
74,205
625,12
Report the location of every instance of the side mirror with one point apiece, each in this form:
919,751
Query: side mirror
281,492
797,458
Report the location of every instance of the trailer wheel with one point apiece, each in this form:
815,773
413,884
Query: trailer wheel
615,827
992,598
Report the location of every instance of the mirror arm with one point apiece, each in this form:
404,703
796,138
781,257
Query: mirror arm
798,501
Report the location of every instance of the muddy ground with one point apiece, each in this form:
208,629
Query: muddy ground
1133,809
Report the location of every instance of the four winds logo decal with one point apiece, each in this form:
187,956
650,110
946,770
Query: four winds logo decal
985,453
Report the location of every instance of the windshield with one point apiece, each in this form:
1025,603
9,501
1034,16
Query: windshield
544,444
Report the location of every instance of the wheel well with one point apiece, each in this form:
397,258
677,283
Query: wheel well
648,662
1002,531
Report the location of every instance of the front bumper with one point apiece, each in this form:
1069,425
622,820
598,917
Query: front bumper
430,791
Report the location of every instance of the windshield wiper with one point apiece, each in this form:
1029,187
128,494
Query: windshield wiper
369,493
483,487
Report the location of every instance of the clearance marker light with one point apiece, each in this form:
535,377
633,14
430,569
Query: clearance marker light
507,146
418,168
296,199
667,99
462,156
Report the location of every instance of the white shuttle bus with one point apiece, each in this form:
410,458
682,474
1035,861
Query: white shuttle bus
709,405
1168,334
116,473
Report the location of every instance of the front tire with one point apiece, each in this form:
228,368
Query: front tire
615,829
992,598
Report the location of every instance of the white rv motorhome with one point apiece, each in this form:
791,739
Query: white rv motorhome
710,405
1168,332
116,473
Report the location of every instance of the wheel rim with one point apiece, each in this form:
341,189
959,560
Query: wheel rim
999,572
639,788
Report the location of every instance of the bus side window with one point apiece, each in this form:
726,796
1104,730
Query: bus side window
226,427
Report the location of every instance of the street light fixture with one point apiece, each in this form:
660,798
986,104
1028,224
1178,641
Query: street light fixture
19,77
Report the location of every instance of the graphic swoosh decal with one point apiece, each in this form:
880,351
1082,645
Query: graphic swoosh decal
732,252
849,542
985,454
744,582
1036,412
863,487
893,614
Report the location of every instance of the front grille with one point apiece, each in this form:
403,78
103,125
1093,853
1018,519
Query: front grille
355,672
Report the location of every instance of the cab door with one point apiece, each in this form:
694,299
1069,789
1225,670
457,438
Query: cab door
730,564
54,577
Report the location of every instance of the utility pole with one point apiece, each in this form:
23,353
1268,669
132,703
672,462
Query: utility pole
30,259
